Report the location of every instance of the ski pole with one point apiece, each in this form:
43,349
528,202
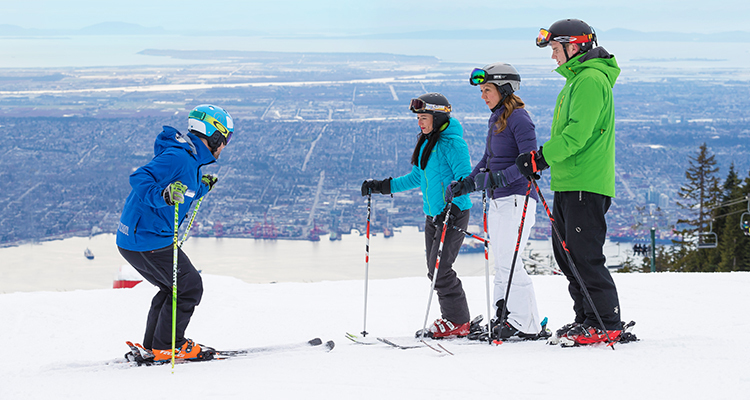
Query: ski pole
474,236
190,224
367,257
487,265
572,265
437,264
174,278
503,318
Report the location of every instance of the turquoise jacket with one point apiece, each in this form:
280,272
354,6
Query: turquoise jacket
449,162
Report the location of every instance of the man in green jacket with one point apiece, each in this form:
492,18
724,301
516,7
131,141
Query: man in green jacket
581,158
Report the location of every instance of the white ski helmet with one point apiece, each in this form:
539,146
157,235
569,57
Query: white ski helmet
502,75
212,123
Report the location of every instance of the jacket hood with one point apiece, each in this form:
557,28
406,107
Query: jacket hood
172,138
597,58
454,129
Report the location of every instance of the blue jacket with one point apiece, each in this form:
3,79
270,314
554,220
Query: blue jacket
147,222
449,162
519,136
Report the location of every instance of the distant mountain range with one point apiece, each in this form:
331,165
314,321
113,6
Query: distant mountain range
617,34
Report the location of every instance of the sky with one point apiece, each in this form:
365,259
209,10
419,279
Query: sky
299,17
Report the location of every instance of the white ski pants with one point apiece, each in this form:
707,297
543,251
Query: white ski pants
503,220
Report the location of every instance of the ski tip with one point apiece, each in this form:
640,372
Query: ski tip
497,342
315,342
330,345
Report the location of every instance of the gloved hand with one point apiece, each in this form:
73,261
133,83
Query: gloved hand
490,180
460,188
209,180
174,193
530,164
375,186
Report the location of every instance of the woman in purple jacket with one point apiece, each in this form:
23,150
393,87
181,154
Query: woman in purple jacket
511,132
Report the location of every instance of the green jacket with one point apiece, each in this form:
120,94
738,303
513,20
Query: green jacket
581,149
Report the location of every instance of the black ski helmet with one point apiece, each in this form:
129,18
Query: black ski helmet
568,31
435,104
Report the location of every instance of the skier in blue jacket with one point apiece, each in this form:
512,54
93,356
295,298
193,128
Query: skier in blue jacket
145,236
439,157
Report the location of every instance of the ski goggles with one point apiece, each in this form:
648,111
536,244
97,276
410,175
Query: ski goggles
545,37
480,76
420,106
201,116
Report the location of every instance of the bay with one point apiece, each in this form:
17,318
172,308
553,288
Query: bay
60,265
90,51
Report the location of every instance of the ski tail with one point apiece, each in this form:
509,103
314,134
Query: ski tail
315,342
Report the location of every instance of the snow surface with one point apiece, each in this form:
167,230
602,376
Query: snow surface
692,329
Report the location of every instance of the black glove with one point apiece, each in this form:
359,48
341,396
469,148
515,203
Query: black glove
490,180
530,164
209,180
375,186
460,188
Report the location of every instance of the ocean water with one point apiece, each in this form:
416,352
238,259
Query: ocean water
60,265
89,51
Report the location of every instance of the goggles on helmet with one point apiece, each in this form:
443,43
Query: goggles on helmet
201,116
543,39
545,36
480,76
420,106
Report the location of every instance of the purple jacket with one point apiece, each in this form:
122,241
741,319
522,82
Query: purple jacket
502,149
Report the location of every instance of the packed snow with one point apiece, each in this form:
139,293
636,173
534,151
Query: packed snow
61,345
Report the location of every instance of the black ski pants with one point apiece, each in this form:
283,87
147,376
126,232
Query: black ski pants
580,219
451,295
156,267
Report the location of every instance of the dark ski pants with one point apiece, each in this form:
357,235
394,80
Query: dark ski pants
580,218
451,295
156,267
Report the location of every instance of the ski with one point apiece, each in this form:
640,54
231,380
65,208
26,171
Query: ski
221,354
360,340
406,347
139,356
398,346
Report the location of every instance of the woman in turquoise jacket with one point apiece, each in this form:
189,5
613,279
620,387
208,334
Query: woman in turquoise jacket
440,157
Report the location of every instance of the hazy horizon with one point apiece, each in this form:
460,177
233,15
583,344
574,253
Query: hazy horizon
335,17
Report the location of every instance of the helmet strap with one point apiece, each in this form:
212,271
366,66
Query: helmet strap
505,90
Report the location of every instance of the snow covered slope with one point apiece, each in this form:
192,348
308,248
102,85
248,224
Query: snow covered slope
692,329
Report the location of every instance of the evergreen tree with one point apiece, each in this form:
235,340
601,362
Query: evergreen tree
699,195
744,249
732,241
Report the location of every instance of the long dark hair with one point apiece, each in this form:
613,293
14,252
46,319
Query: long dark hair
440,122
432,139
